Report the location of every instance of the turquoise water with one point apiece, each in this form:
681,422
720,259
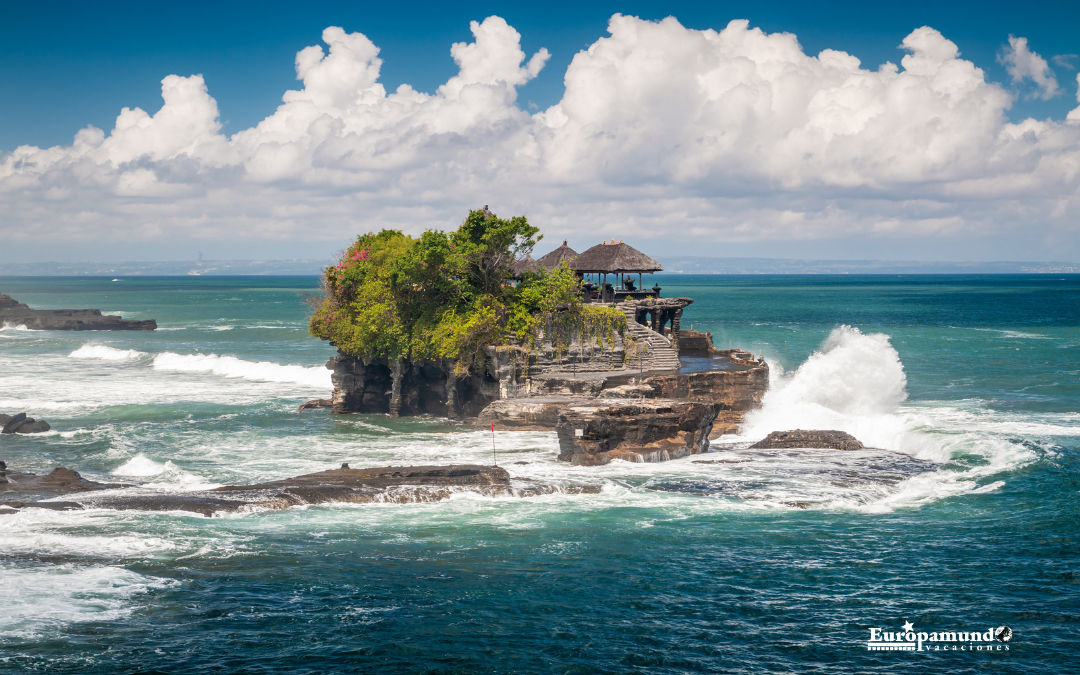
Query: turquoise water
965,519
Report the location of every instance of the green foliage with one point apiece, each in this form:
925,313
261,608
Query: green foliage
447,296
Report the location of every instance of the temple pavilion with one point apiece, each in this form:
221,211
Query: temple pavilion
615,258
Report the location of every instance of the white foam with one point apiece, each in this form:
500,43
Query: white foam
105,353
856,383
141,465
39,600
12,326
168,475
230,366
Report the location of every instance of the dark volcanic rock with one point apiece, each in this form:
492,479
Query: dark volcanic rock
21,424
19,314
13,423
29,487
592,433
316,404
395,484
838,440
32,426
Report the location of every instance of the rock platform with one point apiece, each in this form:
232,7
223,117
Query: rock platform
64,489
15,313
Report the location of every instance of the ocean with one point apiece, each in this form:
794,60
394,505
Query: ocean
961,516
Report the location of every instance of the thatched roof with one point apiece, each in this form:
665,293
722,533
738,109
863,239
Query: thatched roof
518,268
615,257
556,257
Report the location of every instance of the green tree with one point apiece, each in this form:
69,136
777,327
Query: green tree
444,296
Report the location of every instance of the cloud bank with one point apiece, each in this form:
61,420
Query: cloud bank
717,137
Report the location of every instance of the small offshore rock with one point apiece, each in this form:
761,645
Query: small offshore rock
13,423
799,438
21,424
316,404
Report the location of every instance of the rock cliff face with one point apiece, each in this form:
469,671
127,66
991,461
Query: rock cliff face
404,387
16,313
660,417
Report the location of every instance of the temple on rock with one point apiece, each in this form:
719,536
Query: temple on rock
469,325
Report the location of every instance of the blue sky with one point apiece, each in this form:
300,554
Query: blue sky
947,187
66,65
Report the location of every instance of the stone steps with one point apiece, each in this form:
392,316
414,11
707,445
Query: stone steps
661,356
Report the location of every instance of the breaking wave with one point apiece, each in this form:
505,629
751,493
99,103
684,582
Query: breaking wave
317,377
104,353
856,383
167,475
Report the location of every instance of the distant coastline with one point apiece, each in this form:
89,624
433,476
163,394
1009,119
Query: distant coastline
672,265
703,265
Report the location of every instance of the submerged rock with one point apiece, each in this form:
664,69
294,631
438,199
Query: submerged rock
19,314
799,438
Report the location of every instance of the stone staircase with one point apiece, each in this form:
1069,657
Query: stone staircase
660,355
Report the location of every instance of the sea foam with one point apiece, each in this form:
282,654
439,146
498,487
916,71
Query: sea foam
317,377
41,599
856,383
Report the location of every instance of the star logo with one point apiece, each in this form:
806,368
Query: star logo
908,627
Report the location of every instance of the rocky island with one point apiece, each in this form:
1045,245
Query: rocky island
15,313
468,325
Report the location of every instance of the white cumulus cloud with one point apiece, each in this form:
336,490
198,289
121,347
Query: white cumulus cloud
1024,64
715,137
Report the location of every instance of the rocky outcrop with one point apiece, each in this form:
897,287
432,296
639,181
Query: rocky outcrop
838,440
651,430
59,482
15,313
394,484
21,424
536,413
659,417
316,404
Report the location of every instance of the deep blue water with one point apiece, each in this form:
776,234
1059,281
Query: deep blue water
965,519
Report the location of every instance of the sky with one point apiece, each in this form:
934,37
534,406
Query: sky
918,130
